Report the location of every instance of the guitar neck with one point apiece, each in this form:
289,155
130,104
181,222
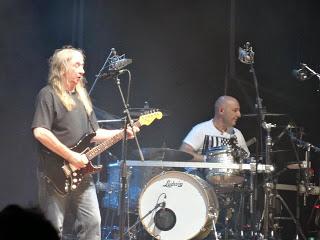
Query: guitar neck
100,148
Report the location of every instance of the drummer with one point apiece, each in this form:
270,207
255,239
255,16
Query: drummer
217,131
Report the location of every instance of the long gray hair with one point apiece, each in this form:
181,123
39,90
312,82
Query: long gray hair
58,66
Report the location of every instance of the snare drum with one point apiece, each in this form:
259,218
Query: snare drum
223,177
176,205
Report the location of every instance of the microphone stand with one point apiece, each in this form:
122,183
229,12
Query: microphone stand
123,166
313,73
112,51
246,56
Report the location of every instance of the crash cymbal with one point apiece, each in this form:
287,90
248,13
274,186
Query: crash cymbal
164,154
103,115
297,165
265,114
108,120
136,112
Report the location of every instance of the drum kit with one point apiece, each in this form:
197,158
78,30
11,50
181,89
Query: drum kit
173,204
167,202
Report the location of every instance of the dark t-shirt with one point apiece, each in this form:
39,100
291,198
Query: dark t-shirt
68,126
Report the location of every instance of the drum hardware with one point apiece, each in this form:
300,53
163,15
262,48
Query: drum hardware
301,188
275,196
242,166
140,219
297,165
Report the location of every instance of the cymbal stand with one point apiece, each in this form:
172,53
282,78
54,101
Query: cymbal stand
292,217
267,191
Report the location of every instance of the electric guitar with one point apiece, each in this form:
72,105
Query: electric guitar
64,176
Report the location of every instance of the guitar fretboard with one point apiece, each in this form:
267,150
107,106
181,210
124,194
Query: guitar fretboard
92,153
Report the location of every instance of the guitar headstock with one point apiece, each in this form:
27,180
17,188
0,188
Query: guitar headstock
148,117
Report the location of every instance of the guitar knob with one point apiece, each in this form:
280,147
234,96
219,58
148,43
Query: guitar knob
73,186
74,174
75,180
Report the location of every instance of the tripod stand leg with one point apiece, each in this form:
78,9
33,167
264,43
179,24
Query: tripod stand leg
292,216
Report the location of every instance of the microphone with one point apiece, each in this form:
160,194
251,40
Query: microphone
119,64
112,74
289,126
300,74
162,205
304,73
246,54
116,64
251,141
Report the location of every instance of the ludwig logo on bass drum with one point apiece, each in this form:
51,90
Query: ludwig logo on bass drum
172,183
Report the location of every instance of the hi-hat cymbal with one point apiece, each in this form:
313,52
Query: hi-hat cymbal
164,154
278,151
265,114
272,152
136,112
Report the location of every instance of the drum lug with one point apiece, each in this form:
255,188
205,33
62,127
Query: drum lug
212,213
204,229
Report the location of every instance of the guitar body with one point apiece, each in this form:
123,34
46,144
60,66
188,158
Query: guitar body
65,177
60,174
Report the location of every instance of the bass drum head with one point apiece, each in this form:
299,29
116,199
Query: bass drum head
176,205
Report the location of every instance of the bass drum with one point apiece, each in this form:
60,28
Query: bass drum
176,205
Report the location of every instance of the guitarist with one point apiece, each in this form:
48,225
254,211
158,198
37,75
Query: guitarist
63,115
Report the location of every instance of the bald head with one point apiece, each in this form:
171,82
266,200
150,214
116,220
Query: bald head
223,102
227,111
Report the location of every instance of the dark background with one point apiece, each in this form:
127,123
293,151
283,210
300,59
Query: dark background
184,57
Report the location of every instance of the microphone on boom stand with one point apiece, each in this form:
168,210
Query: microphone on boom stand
116,67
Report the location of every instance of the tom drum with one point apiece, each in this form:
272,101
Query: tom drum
222,177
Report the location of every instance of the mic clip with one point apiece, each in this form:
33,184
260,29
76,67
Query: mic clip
246,54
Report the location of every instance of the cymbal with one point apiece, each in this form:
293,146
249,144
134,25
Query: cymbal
109,120
274,151
137,112
164,154
102,114
297,165
265,114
